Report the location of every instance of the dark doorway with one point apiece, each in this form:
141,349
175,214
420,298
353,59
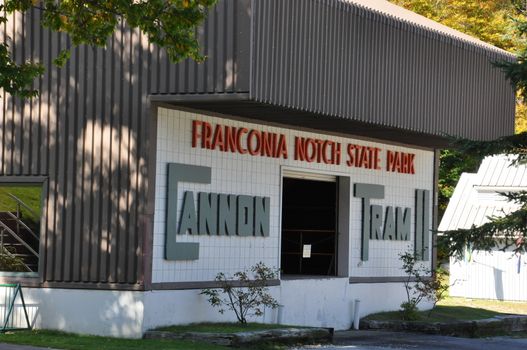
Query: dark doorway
309,237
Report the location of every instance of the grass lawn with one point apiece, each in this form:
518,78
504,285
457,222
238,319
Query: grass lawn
30,195
507,307
60,340
455,309
221,327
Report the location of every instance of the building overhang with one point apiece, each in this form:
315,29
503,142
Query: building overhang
236,106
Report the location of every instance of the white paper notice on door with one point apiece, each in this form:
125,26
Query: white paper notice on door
306,253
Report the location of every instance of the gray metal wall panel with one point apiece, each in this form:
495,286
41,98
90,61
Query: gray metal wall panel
393,74
225,41
85,133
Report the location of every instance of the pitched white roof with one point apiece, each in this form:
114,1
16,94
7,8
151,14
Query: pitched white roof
477,197
392,10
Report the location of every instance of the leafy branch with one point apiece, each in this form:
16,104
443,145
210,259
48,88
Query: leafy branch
170,24
513,144
420,284
245,293
500,232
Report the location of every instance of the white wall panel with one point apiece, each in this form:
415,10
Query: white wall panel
496,275
260,176
332,305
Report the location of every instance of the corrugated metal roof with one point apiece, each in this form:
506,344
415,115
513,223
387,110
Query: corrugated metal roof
341,60
476,197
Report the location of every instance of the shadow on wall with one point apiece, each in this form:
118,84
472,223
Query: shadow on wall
84,133
87,133
498,283
125,314
115,313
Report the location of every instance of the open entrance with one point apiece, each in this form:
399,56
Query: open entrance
309,222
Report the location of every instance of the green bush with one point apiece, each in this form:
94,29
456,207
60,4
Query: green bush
421,283
11,262
409,311
245,293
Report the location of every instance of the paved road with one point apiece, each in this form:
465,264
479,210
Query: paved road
377,340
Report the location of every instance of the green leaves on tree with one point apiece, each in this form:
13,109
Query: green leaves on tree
501,232
17,79
62,58
513,144
502,23
170,24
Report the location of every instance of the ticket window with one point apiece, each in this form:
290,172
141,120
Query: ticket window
309,226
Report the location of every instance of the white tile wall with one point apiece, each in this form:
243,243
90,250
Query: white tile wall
261,176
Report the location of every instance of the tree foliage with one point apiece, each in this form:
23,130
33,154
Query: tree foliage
492,21
169,24
453,164
501,232
466,156
10,262
516,72
502,23
504,231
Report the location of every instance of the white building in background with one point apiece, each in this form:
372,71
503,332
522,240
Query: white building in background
498,274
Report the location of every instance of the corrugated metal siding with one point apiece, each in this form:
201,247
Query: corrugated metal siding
500,275
338,59
87,132
225,41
